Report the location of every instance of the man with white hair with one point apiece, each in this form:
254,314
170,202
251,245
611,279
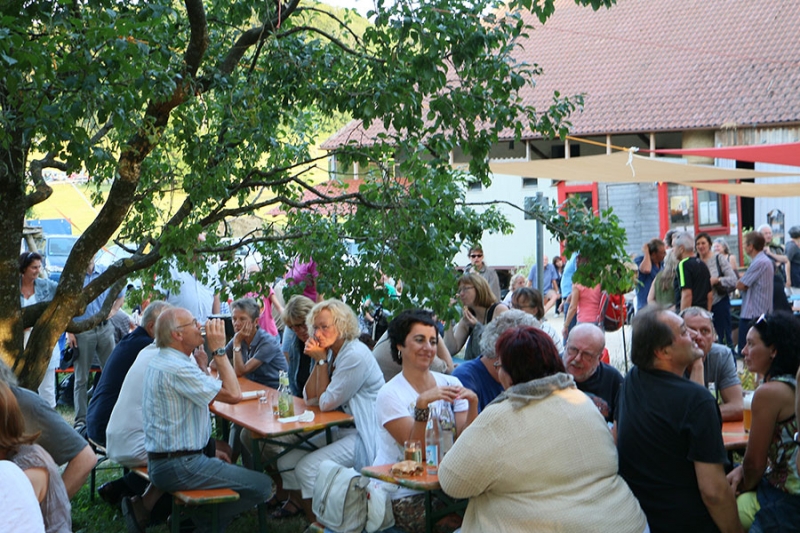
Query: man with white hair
481,374
599,381
692,277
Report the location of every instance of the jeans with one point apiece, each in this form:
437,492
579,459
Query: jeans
99,341
200,472
779,511
722,321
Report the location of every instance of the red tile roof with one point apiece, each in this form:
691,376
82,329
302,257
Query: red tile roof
661,65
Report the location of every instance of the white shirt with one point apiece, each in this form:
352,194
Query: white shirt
125,430
21,511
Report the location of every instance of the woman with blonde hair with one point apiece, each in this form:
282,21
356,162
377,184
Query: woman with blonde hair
346,377
518,281
480,306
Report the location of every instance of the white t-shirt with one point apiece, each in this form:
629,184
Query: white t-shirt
21,511
397,399
125,430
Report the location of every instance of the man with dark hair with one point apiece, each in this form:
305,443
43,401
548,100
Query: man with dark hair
479,267
650,264
692,278
669,432
755,285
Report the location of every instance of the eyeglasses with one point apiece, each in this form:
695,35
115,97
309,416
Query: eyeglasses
574,352
297,327
192,323
473,256
464,289
497,364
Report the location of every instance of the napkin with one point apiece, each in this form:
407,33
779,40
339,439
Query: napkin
253,394
306,416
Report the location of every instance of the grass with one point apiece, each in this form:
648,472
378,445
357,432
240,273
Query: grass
99,517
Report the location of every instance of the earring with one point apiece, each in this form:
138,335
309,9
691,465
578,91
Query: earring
400,353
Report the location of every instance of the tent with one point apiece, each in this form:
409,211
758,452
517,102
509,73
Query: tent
626,167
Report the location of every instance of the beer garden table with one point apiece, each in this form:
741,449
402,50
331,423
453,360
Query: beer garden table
257,417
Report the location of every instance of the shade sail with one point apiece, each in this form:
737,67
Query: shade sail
779,154
620,167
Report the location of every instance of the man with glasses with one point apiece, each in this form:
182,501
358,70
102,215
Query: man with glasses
599,381
717,365
479,267
177,424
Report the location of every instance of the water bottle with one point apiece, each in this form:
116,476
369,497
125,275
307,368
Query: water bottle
285,399
448,423
433,435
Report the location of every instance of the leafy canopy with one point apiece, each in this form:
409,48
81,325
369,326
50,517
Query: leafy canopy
201,113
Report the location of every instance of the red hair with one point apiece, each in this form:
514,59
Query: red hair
528,353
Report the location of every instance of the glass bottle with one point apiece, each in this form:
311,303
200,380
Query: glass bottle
433,434
285,399
448,424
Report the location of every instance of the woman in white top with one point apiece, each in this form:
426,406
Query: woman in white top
405,402
34,289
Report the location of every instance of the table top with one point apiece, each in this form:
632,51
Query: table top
258,418
733,435
423,481
737,302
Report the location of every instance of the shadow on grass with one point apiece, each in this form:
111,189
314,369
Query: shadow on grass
99,517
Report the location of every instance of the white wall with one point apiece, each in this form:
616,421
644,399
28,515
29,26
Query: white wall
518,248
789,206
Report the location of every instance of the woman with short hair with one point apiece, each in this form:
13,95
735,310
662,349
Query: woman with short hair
406,401
345,377
559,466
767,480
530,301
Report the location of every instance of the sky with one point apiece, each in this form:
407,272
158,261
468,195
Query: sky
362,6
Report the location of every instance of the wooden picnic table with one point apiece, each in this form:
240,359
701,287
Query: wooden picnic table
265,428
734,436
427,483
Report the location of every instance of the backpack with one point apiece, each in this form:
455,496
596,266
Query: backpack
613,311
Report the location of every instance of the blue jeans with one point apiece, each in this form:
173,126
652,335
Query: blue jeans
722,321
200,472
779,511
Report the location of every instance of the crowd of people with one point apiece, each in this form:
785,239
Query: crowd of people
547,436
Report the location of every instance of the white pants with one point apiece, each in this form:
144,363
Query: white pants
299,467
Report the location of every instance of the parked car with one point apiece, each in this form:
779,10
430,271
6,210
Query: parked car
55,253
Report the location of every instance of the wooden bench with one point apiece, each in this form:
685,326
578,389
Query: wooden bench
316,527
102,456
195,498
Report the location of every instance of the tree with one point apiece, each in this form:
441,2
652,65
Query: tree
198,113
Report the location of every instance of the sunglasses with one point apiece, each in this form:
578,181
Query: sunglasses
473,256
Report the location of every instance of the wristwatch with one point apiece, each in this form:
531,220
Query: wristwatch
237,349
322,362
219,352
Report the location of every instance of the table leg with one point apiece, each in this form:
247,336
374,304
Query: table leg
262,507
429,519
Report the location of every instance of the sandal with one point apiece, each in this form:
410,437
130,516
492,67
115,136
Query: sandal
273,503
283,512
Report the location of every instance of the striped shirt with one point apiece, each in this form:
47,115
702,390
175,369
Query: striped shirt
757,299
175,403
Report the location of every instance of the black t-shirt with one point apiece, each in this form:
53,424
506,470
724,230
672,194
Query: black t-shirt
665,423
693,274
603,389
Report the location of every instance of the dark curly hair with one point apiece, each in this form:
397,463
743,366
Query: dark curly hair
401,326
26,259
781,330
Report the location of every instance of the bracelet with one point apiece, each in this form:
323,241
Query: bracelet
421,415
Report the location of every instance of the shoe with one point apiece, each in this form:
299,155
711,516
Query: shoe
135,515
283,512
273,503
110,493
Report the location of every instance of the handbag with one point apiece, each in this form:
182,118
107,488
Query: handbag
340,498
346,502
718,287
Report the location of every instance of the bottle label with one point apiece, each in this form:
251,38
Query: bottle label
432,457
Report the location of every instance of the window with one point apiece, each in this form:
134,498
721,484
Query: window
709,209
474,185
530,183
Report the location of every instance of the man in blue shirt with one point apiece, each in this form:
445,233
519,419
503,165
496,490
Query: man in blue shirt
550,289
98,341
650,263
